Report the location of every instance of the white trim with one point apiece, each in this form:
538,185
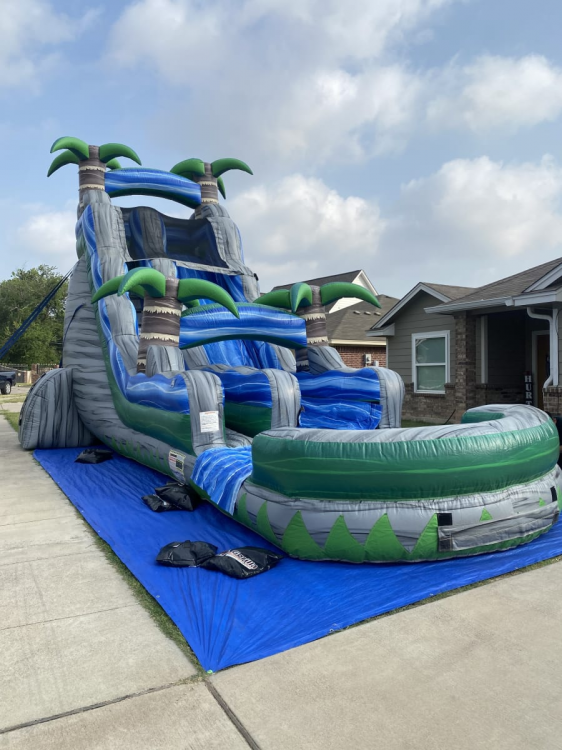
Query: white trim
361,280
535,364
350,342
553,330
549,278
538,298
431,335
421,287
484,349
367,281
519,300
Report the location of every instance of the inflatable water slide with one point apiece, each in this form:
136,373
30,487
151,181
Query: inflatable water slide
173,359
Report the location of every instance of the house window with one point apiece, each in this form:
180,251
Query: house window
430,361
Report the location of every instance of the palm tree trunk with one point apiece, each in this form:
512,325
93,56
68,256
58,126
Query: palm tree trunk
316,332
209,189
161,318
91,173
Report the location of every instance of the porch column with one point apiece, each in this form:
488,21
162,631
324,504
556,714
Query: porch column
465,360
552,392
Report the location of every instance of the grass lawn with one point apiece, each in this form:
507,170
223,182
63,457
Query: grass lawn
13,419
148,602
12,398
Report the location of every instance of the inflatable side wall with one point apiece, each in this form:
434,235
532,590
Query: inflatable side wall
353,493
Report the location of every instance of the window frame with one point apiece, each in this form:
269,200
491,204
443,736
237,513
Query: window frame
431,335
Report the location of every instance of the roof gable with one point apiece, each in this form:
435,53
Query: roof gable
348,276
441,292
551,279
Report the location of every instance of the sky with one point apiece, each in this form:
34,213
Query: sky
419,140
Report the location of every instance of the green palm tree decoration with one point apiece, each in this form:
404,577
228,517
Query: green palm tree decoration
208,176
92,161
310,303
163,299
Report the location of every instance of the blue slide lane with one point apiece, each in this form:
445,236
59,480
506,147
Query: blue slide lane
340,400
158,392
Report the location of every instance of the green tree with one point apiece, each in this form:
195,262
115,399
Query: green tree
19,296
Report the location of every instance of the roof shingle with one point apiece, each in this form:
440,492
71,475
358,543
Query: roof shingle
352,323
511,285
452,292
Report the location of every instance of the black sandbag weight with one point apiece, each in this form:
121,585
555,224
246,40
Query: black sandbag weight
243,562
186,554
156,503
94,456
181,496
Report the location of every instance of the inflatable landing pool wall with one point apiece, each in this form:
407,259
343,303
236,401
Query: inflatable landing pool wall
312,458
406,494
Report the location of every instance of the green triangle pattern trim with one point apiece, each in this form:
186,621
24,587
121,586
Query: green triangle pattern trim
426,546
382,544
263,526
241,512
341,545
297,542
559,496
541,503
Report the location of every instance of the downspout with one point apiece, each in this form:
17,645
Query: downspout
553,333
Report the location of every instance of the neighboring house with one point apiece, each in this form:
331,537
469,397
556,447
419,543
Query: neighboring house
349,320
456,347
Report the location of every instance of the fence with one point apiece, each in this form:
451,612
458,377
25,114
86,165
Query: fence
27,373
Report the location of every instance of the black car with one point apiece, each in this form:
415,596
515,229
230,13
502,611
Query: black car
7,380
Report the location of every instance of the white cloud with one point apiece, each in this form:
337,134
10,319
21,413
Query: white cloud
299,228
179,38
305,78
469,223
48,237
28,27
496,93
472,222
185,37
314,80
333,114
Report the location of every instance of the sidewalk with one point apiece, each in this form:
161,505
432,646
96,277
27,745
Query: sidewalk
81,662
83,666
11,407
480,669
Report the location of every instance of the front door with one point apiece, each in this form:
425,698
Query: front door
543,365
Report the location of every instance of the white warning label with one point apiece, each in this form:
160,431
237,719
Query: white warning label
175,462
209,421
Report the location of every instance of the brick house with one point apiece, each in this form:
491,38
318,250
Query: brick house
457,347
349,321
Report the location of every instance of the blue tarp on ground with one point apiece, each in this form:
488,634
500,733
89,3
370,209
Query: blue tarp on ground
227,621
